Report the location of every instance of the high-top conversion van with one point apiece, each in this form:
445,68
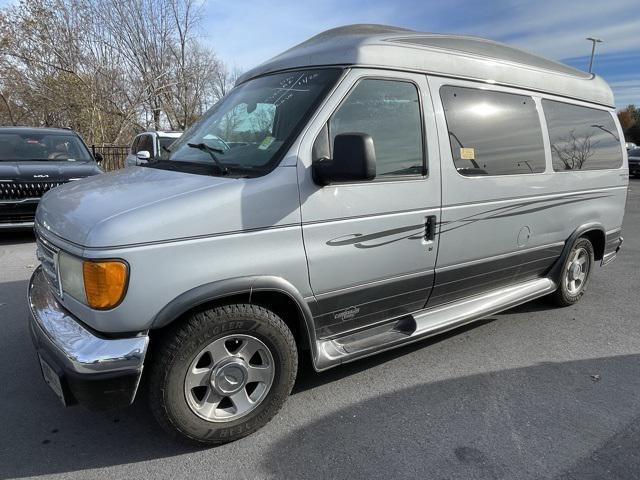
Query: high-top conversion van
380,186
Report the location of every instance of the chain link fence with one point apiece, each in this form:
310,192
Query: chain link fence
113,156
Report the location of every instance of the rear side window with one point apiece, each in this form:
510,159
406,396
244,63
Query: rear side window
389,111
493,133
145,143
581,138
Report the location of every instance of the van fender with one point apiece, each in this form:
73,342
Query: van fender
243,287
554,272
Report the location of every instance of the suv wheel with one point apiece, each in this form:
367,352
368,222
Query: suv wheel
223,373
575,273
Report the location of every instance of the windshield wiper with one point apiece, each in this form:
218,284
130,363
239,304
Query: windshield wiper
212,153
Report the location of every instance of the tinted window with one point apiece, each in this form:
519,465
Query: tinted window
493,133
166,141
634,152
38,146
146,143
581,138
389,111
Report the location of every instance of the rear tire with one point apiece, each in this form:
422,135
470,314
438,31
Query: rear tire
222,373
574,276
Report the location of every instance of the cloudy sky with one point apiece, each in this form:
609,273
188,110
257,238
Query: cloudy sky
246,32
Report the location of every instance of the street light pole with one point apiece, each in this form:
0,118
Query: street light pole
593,50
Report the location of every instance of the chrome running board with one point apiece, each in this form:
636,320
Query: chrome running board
426,323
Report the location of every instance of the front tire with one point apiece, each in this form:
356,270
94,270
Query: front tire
222,373
575,273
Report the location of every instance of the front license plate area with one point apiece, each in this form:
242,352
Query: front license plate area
52,379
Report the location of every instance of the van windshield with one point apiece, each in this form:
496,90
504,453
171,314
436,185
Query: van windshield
249,130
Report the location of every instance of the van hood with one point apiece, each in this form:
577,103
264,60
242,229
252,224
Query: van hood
130,206
46,171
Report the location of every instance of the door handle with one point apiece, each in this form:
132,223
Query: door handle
430,228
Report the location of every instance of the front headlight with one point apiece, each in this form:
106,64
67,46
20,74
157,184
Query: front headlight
98,284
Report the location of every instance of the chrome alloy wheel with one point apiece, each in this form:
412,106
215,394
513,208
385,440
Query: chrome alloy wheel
229,378
577,270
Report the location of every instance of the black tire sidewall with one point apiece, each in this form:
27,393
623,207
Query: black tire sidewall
565,297
202,329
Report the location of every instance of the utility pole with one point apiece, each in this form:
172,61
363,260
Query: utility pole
593,50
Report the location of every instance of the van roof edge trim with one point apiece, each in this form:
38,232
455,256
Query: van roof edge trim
464,56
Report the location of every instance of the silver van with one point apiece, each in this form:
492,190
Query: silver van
367,188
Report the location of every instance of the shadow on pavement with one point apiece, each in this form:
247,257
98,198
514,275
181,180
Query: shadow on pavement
547,420
16,237
308,378
552,420
570,420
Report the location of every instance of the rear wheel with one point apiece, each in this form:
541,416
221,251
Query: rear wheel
575,273
223,373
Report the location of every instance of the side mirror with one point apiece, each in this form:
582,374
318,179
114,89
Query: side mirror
354,159
143,155
99,158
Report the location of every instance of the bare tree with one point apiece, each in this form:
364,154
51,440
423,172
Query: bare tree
574,151
107,68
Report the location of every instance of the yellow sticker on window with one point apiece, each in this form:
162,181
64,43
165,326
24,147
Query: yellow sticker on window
467,154
266,143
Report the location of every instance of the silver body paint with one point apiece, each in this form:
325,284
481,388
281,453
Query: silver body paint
354,257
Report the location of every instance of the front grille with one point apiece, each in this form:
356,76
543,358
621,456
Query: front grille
24,190
48,256
17,218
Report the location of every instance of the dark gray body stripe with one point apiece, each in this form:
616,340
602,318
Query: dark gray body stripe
463,281
403,296
389,298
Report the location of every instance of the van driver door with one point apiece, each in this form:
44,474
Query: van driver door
371,245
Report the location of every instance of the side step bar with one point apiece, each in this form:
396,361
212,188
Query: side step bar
426,323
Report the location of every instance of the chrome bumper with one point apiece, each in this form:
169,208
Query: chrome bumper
79,357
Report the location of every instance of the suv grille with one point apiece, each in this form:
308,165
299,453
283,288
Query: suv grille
48,256
24,190
18,218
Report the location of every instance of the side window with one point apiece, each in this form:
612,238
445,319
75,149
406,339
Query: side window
493,133
146,143
134,145
389,111
581,138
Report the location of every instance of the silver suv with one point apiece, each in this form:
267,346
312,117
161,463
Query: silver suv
149,145
366,189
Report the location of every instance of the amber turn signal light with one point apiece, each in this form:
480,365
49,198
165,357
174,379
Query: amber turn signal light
104,283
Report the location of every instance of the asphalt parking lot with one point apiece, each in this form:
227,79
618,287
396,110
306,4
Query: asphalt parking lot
535,392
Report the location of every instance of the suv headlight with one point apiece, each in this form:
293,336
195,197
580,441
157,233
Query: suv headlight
98,284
